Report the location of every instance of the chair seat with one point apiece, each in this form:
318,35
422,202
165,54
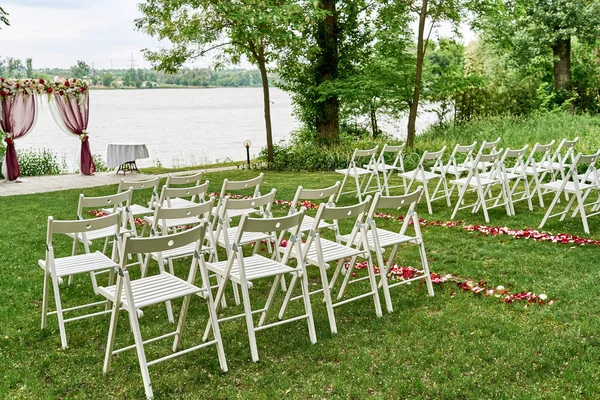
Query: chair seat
171,223
103,233
136,209
482,165
332,251
183,251
538,170
176,202
308,222
81,263
589,179
247,237
454,170
255,266
354,171
553,166
420,176
384,167
569,187
152,290
386,238
473,182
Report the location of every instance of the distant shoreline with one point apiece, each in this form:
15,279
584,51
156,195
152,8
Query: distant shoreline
176,87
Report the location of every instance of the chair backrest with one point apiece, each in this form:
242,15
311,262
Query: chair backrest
381,202
398,161
488,158
315,194
365,153
432,155
249,224
591,172
140,185
82,226
516,158
114,201
491,146
340,213
460,149
243,204
178,180
565,152
242,185
354,163
192,192
200,211
158,244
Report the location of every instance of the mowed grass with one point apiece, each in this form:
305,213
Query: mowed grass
461,346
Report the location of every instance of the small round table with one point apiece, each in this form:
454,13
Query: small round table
124,155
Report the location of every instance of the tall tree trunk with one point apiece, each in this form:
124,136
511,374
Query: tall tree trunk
258,53
327,111
562,64
414,105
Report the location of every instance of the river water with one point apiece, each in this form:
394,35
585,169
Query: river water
181,127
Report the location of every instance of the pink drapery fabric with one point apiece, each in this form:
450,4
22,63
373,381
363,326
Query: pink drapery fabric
18,117
75,114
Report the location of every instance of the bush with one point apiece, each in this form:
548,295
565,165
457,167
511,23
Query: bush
99,162
40,162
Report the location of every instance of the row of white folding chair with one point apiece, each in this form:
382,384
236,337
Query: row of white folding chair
578,187
127,294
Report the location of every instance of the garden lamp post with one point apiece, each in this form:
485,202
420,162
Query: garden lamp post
247,145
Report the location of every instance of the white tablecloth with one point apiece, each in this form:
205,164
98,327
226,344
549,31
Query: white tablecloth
119,153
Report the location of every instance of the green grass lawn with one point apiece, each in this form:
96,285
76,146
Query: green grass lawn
461,346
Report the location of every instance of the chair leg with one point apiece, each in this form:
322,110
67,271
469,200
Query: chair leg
327,296
288,296
47,277
341,187
249,321
181,323
308,308
383,271
112,331
373,282
549,211
269,302
59,313
139,346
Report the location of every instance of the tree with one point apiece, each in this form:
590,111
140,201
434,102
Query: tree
3,18
29,67
80,70
107,79
434,11
533,29
248,28
14,65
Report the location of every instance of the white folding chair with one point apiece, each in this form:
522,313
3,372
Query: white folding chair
561,160
115,203
320,252
423,176
152,184
225,234
513,175
536,164
170,196
578,187
56,268
397,166
483,186
326,194
183,181
485,148
233,186
455,167
182,218
379,239
131,295
244,271
355,172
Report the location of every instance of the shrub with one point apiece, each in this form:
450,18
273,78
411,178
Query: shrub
40,162
99,162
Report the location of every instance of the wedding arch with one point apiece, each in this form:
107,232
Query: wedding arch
69,104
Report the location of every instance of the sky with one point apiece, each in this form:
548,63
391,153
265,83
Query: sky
57,33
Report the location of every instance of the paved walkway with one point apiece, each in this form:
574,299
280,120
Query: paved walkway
52,183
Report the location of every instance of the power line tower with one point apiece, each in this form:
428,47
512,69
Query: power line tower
132,62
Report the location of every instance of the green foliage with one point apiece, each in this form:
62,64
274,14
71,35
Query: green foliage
80,70
107,79
101,165
40,162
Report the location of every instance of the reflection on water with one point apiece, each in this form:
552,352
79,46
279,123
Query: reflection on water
180,126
